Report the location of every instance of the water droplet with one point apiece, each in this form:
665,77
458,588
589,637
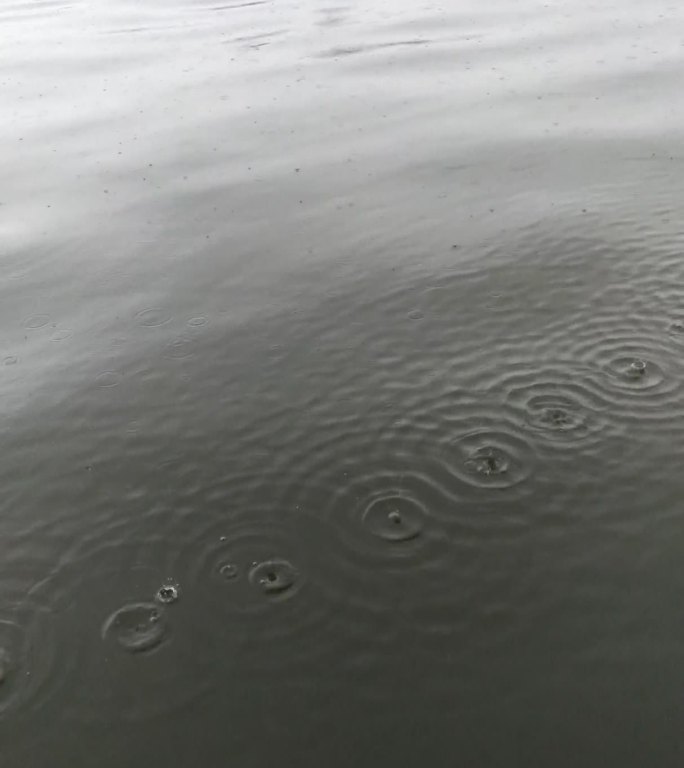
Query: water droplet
167,594
36,321
153,317
228,571
108,379
11,360
197,322
394,518
273,576
137,627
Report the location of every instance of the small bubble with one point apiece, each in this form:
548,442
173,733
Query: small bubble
167,594
108,379
137,627
273,576
36,321
228,571
153,317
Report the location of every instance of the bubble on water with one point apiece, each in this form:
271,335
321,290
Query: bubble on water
11,360
197,322
168,593
108,379
394,518
228,571
273,577
36,321
136,627
153,317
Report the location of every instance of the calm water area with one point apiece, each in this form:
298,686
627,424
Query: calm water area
341,384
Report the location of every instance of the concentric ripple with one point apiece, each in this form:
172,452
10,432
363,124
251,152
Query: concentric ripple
31,673
635,373
487,457
151,663
275,577
266,572
136,627
395,517
560,404
12,650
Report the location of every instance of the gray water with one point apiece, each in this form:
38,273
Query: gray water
341,393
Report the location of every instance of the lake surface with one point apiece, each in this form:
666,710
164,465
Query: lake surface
341,384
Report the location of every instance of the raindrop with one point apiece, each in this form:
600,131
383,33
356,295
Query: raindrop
636,373
153,317
394,518
167,594
179,348
61,334
273,577
487,460
108,379
137,627
229,571
36,321
636,368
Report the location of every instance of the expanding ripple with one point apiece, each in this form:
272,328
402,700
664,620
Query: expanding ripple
560,404
488,454
154,664
267,573
136,627
153,317
31,672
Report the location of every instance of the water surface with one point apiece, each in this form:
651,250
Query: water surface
341,364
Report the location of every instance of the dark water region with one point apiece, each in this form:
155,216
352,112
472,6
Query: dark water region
342,384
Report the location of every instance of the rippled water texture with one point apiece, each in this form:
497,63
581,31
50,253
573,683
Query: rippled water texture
342,384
